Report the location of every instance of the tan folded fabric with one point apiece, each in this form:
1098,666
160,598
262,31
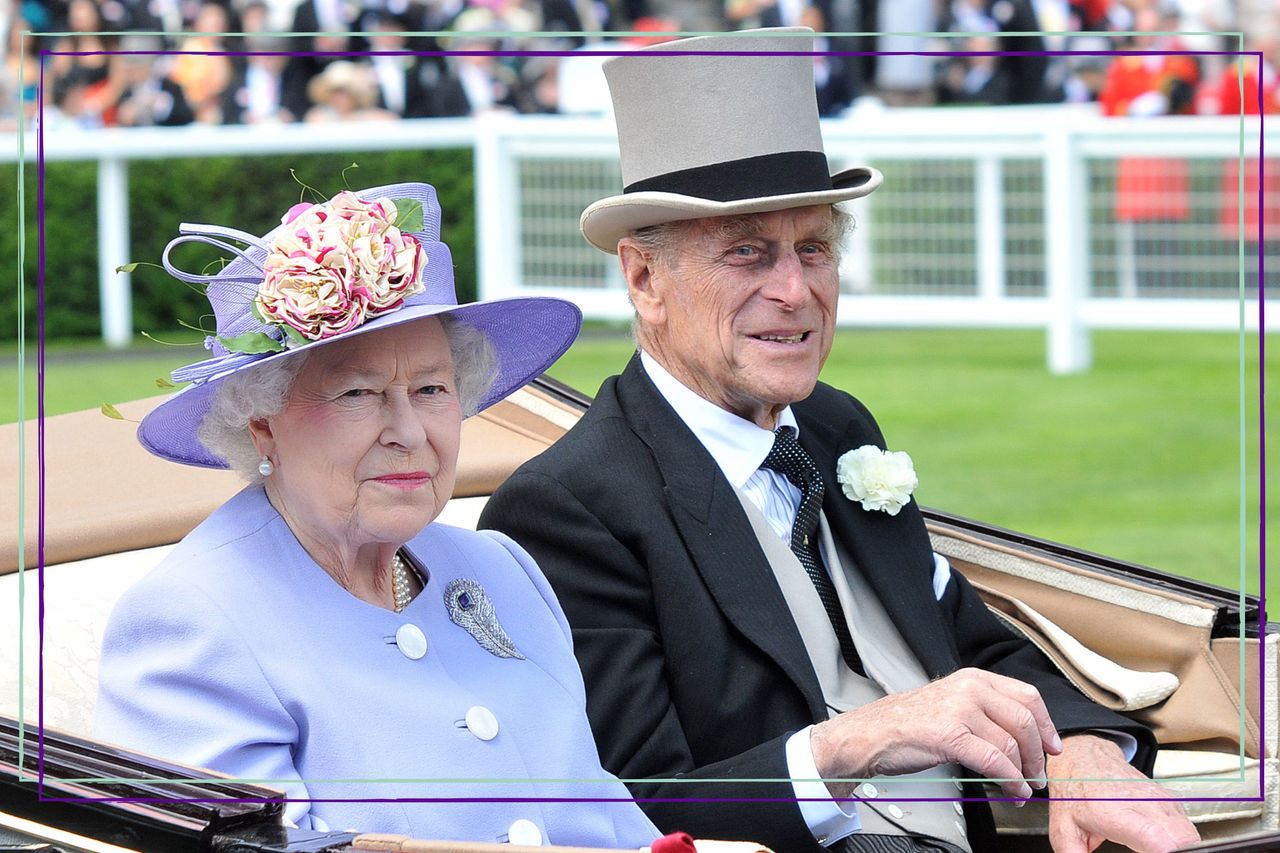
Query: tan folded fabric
1126,689
1152,632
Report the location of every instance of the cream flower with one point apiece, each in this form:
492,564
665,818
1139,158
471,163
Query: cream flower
876,478
401,270
350,207
312,298
335,265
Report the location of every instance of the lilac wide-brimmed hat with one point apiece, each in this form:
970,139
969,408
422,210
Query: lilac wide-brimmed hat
285,294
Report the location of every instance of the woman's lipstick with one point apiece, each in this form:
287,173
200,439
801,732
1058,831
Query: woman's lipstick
407,481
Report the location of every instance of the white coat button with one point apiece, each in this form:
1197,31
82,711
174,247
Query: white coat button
960,827
870,791
411,641
895,812
483,724
959,786
523,832
959,808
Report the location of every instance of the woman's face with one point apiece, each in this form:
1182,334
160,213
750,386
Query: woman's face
366,448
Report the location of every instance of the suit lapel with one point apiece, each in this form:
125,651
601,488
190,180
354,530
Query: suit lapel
717,533
893,552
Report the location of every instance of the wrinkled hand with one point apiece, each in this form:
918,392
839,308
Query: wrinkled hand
1080,825
993,725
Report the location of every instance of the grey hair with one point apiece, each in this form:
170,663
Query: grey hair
243,397
475,362
251,395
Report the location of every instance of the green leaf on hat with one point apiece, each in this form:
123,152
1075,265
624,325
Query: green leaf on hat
133,266
251,342
409,214
111,411
296,338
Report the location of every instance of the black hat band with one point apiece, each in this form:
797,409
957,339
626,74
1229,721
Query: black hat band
784,173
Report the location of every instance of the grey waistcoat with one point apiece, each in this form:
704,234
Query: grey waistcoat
891,667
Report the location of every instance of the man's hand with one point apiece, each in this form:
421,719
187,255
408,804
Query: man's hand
993,725
1079,825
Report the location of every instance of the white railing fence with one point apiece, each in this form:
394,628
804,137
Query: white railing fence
1048,218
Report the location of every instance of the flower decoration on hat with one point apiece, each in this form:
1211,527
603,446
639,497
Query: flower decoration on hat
878,479
331,267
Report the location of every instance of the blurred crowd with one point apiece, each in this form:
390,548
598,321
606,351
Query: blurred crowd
234,66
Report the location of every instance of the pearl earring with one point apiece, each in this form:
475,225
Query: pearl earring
265,467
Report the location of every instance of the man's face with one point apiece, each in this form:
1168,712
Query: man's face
743,310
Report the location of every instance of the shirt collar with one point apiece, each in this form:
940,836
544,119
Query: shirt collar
737,445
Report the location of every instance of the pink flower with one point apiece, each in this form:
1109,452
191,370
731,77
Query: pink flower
337,265
347,205
296,211
310,297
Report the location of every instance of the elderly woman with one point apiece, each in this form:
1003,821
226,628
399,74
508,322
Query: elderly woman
318,633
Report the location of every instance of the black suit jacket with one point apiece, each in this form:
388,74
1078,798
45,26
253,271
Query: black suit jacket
695,671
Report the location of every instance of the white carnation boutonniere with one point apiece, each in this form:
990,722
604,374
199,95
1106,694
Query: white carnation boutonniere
878,479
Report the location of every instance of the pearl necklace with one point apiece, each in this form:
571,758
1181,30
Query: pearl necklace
401,592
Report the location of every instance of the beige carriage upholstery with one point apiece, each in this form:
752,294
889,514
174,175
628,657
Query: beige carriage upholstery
113,511
1147,652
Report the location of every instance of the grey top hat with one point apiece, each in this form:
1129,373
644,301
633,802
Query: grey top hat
729,128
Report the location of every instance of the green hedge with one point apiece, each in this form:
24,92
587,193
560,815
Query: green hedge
249,193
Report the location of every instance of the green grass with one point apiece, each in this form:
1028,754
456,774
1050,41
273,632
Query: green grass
1139,458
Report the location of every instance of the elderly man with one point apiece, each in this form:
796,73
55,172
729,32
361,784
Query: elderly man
746,630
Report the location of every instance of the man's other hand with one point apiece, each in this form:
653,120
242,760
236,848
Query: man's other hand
991,724
1079,820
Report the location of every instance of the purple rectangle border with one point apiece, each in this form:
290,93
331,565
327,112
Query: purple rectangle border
40,351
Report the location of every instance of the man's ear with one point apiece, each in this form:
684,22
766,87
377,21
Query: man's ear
638,272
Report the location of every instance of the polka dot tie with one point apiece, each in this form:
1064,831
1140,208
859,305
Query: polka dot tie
861,842
792,461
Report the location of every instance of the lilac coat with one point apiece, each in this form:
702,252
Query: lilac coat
240,654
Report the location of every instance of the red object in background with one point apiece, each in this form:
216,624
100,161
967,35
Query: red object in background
1230,102
1092,13
651,25
1229,213
1152,188
674,842
1148,188
1131,77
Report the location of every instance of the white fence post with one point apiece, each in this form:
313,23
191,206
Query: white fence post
1065,218
497,225
115,298
989,198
